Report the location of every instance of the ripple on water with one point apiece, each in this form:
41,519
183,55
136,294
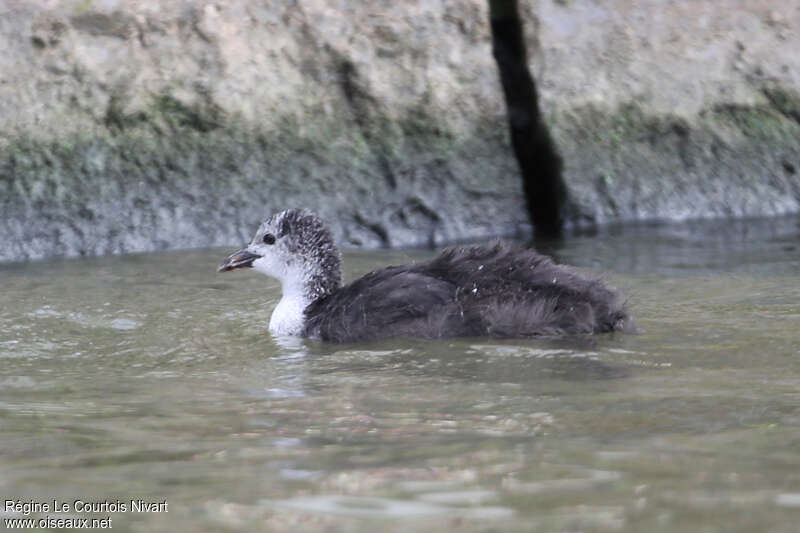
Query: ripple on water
509,350
95,320
460,497
297,474
286,442
712,499
124,324
429,485
282,393
789,499
45,312
18,382
584,479
372,507
33,349
351,355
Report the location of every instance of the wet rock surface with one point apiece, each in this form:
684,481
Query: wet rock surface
141,125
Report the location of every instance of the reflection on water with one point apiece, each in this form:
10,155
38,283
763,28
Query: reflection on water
154,370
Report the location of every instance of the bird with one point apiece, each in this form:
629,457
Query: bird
495,289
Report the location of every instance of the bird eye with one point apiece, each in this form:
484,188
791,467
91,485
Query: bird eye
268,238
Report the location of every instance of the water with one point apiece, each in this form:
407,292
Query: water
152,377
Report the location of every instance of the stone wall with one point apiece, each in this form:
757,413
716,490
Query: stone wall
132,125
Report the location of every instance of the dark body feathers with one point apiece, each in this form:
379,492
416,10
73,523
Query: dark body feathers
495,290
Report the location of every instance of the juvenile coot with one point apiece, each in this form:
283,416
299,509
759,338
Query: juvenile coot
496,290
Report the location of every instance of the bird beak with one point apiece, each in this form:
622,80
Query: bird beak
240,259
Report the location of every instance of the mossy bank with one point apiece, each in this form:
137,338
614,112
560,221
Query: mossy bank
135,126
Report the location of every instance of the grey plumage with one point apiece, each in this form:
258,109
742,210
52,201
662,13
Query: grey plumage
495,290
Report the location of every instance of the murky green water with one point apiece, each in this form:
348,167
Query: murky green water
152,377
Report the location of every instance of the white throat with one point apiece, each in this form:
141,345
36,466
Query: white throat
298,288
288,317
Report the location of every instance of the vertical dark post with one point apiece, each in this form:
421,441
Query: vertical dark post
539,161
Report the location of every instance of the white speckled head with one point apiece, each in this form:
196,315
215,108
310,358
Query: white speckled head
276,252
296,248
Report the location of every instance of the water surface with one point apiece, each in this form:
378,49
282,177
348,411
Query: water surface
153,377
